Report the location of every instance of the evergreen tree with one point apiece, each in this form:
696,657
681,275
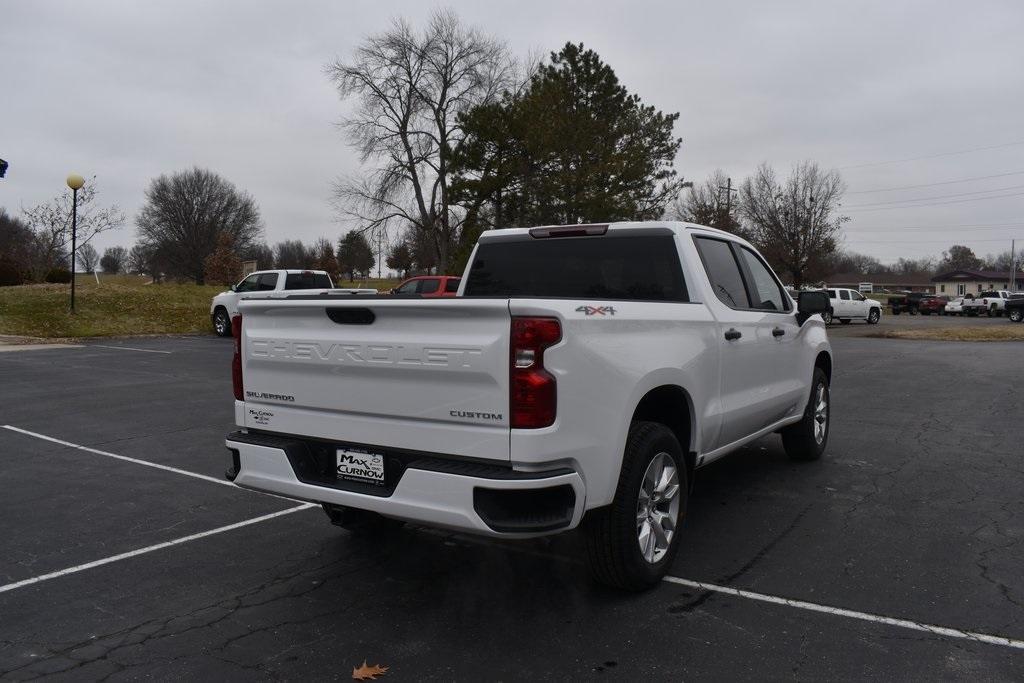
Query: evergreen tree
355,255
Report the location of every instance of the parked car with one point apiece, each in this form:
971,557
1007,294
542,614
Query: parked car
993,302
430,285
906,302
955,306
587,369
1015,308
225,305
932,303
849,304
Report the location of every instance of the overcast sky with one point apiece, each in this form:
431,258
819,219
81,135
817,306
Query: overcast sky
129,90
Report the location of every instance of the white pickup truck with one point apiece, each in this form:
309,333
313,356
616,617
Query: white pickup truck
992,303
224,306
582,375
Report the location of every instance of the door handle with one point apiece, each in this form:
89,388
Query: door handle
732,334
778,332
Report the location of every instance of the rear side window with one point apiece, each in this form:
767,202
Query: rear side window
844,295
452,285
723,272
267,282
614,266
307,280
429,286
831,294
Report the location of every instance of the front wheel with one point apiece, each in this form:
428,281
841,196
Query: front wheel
827,316
806,440
1016,315
630,544
221,323
874,316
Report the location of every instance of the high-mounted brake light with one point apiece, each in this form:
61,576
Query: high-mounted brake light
533,393
587,230
236,360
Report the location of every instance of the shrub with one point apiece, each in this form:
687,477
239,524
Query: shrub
9,274
61,275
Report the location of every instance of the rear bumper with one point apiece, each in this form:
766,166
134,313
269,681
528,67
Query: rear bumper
492,500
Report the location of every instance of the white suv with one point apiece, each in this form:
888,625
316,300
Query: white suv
849,304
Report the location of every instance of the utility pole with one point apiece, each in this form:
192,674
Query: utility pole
1013,266
728,189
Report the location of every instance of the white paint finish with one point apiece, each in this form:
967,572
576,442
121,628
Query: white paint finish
151,548
851,614
439,499
127,348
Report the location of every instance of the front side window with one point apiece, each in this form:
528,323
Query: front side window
408,287
844,294
429,286
723,272
765,292
249,284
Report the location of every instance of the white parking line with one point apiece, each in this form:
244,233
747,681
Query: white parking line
127,348
147,463
851,614
151,548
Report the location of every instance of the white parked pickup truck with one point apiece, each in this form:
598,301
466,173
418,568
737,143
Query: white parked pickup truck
224,306
581,376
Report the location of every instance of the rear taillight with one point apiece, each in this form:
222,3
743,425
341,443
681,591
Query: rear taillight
236,361
533,397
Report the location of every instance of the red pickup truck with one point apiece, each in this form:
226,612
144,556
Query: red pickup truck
932,304
429,285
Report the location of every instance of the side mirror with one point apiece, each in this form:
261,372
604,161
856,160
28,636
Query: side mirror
810,303
234,288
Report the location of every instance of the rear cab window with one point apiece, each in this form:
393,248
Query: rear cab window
307,280
617,265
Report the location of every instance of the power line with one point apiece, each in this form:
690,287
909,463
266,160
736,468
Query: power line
935,228
944,196
944,182
934,156
938,241
955,201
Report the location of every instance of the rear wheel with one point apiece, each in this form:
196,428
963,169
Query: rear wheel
221,323
827,316
1016,315
874,316
806,440
630,544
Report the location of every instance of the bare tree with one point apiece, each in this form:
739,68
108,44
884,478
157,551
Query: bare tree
795,224
705,204
410,88
185,215
292,254
89,257
51,224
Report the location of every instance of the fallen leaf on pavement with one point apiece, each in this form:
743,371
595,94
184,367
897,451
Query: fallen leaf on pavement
368,673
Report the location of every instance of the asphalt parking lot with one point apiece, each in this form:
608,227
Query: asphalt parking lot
902,546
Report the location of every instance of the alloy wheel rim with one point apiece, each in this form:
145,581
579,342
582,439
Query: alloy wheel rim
820,414
657,508
220,324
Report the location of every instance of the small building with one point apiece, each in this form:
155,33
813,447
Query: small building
883,282
963,282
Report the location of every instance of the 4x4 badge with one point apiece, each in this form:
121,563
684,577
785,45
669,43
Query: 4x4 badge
596,310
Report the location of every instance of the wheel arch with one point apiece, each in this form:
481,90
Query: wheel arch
672,406
824,361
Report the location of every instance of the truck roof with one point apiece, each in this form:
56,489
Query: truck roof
675,226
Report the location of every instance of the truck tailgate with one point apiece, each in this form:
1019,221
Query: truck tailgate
421,375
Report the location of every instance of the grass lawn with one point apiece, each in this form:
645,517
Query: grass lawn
119,305
1008,332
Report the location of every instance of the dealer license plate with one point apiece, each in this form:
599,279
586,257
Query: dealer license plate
360,466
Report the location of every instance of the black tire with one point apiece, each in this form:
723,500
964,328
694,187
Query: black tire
827,316
800,440
874,315
914,311
612,545
895,311
221,322
361,522
1016,315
